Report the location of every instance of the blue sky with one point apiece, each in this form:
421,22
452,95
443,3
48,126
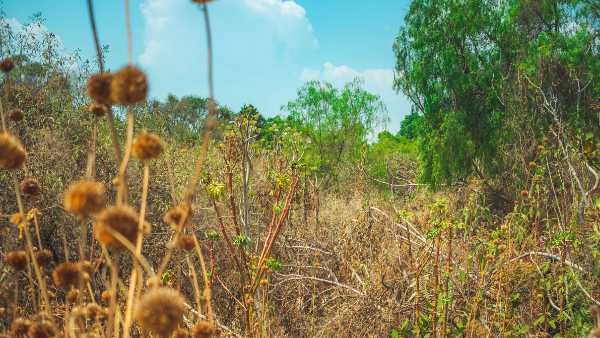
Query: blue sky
264,49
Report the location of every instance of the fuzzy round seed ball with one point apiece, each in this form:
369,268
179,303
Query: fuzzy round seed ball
30,186
98,109
43,257
12,153
147,146
19,327
68,274
42,329
15,115
98,88
128,86
85,197
203,329
160,311
16,259
120,219
6,65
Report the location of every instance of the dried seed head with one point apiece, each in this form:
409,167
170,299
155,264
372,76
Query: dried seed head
128,86
176,214
121,219
72,296
85,197
147,146
12,153
186,242
264,282
95,311
105,296
68,274
16,218
43,257
98,109
16,259
30,186
15,115
98,88
180,333
42,329
203,329
6,65
160,310
19,327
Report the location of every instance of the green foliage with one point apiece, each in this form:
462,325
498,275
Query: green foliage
387,157
474,68
273,264
336,122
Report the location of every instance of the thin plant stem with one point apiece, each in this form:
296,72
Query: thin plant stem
136,273
207,287
100,59
36,267
122,176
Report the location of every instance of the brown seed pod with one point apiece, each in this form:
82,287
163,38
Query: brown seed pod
186,242
85,197
98,109
15,115
19,327
16,259
203,329
98,88
30,186
16,218
264,282
121,219
128,86
12,153
180,333
160,310
68,274
95,311
43,257
42,329
524,193
6,65
175,215
72,296
147,146
105,296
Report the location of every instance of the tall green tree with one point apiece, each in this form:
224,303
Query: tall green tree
472,68
335,121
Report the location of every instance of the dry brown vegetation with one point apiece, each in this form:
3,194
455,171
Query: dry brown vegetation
110,228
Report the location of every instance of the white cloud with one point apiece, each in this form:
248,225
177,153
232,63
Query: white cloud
379,81
258,48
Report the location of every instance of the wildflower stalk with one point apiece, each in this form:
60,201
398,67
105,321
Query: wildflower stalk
109,115
122,178
207,288
446,283
434,287
138,251
36,268
210,120
269,244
